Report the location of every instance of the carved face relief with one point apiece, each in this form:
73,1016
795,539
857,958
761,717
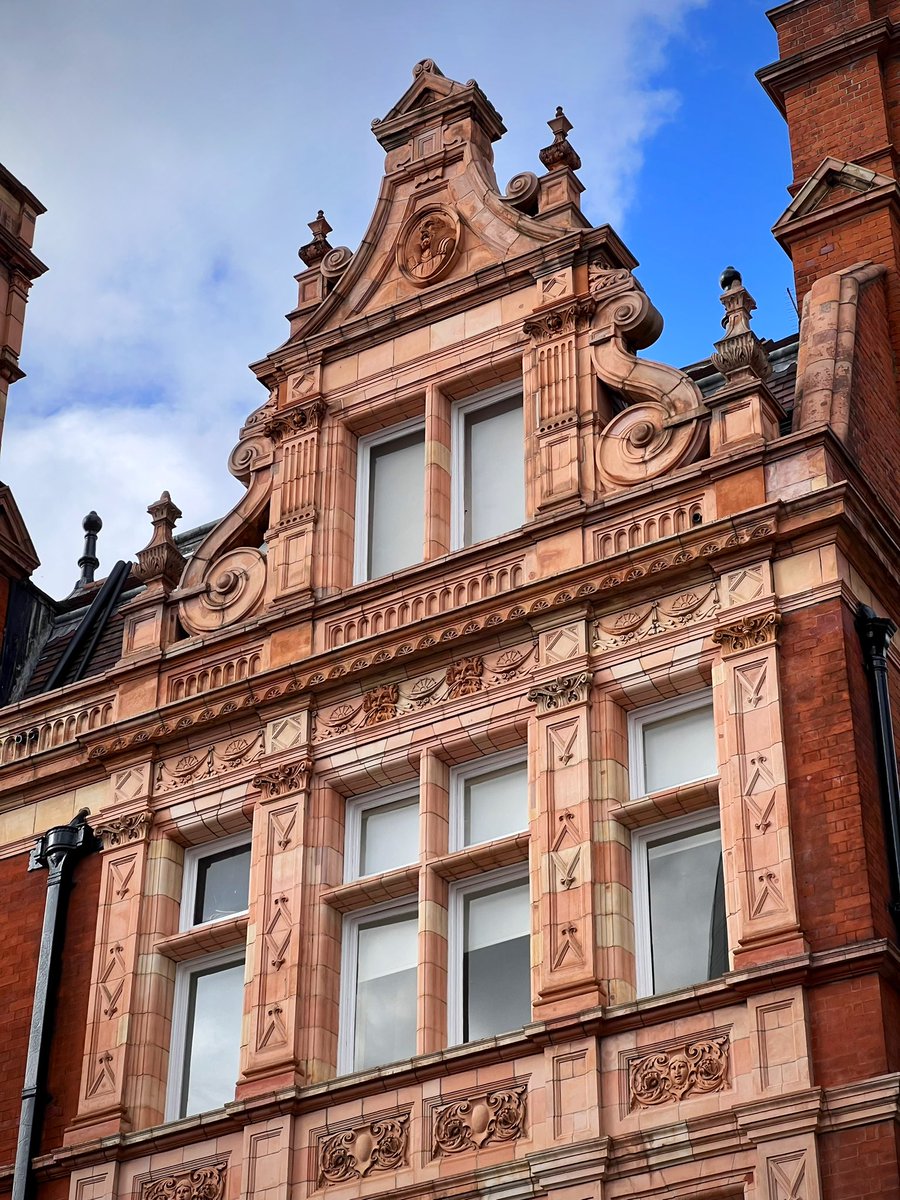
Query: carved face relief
428,245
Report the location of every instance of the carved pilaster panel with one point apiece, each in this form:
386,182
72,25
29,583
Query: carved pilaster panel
760,892
567,971
273,933
554,376
104,1069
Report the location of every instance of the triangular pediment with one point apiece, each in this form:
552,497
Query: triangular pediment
429,85
16,547
833,182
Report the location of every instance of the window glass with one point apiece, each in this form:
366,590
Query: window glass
389,837
223,882
687,909
679,748
495,804
213,1037
385,1025
494,487
396,517
496,973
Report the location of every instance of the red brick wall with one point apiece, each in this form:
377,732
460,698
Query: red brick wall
846,1020
807,25
21,918
860,1164
823,782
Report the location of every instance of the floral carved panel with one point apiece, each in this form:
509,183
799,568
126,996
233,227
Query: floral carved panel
219,759
464,677
484,1119
199,1183
655,617
684,1071
360,1150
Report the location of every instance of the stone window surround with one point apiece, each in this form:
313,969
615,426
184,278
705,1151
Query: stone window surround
442,874
434,404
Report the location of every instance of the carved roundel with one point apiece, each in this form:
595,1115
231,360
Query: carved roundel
428,245
235,584
640,444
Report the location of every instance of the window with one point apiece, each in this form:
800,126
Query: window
488,466
209,991
490,956
390,501
671,744
679,893
378,969
382,833
679,902
489,800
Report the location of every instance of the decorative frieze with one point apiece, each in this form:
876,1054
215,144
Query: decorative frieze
216,674
116,831
666,1076
758,630
218,759
354,1153
200,1183
283,779
561,692
464,677
485,1119
655,617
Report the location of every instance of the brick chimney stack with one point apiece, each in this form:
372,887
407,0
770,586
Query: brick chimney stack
837,83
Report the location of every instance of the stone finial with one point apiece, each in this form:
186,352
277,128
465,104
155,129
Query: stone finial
560,153
161,561
313,252
89,562
739,354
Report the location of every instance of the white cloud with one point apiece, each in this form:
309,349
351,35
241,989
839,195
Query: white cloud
180,150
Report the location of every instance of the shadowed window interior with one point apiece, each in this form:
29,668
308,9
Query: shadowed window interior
385,1024
494,471
496,968
213,1037
223,883
396,503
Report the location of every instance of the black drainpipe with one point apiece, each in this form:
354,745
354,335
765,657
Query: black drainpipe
875,633
57,850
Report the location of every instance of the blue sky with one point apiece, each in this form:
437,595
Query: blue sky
181,148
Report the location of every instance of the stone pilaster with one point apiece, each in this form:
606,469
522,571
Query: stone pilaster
106,1065
562,866
294,498
761,896
270,1056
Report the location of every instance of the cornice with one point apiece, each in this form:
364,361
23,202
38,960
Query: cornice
779,77
14,252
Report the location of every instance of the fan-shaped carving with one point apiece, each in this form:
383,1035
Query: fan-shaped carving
664,425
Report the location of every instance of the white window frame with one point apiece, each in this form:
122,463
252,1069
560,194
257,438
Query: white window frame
364,447
349,961
458,414
456,938
356,806
460,775
645,716
707,819
192,858
178,1040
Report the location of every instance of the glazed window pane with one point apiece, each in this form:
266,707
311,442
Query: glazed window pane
496,961
213,1038
494,486
223,883
495,804
389,837
679,748
396,504
385,1025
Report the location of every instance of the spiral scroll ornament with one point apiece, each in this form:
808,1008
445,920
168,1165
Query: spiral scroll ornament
642,443
234,586
336,262
522,190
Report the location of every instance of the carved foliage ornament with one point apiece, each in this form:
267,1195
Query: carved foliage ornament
203,1183
484,1120
569,319
197,765
283,779
116,831
656,617
745,634
428,245
354,1153
558,693
695,1069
